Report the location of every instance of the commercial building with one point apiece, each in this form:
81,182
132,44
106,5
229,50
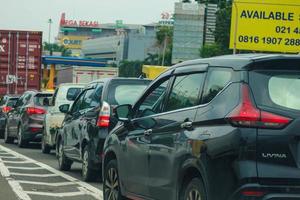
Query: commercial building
210,23
128,44
188,35
73,32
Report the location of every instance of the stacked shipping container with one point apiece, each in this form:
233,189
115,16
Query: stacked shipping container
20,61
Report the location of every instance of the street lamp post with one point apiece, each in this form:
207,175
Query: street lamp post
50,23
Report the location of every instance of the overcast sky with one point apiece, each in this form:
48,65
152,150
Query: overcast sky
34,14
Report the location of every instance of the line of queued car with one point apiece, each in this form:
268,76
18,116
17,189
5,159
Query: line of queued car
222,128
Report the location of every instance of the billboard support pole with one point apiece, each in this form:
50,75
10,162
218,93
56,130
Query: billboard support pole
235,27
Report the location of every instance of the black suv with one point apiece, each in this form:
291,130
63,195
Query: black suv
210,129
25,120
6,105
88,122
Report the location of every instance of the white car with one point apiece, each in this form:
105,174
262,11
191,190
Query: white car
65,94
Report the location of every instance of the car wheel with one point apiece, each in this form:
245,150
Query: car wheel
7,138
21,142
88,174
194,190
64,163
111,186
45,147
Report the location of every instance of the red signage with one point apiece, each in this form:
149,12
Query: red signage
74,23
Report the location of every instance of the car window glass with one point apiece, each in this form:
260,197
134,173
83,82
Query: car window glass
3,101
54,97
217,79
11,102
20,101
72,93
86,102
185,91
152,104
26,99
96,99
77,103
284,90
42,99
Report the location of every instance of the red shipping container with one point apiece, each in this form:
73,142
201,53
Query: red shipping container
20,61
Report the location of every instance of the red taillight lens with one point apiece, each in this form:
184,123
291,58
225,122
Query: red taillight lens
35,111
104,116
33,129
246,114
252,193
6,109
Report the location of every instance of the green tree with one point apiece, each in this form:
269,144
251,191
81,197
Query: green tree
152,59
164,37
211,50
57,48
130,68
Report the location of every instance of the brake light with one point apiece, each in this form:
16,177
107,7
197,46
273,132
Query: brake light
252,193
104,116
246,114
35,111
6,109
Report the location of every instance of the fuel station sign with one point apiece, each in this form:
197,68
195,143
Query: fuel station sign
266,25
73,42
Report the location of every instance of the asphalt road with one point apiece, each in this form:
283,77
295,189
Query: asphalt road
27,174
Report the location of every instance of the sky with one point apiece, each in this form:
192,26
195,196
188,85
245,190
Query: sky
34,14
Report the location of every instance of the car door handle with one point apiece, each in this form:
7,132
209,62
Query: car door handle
147,133
187,125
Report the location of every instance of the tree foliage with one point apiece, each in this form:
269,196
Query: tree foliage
130,68
211,50
57,48
165,33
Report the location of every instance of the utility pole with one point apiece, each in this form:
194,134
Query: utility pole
50,23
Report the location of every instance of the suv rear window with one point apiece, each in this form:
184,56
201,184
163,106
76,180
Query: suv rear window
276,89
126,92
42,99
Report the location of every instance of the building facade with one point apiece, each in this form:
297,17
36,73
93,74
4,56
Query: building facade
188,35
210,23
129,44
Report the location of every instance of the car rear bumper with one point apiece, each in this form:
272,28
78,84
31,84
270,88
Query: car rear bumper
267,192
2,122
33,136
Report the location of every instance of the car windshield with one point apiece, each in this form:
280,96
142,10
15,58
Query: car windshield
42,99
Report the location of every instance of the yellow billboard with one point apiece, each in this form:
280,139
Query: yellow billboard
266,25
72,42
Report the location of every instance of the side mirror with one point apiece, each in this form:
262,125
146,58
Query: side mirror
124,112
64,108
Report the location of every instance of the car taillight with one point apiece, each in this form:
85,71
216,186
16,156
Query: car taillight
104,116
6,109
35,111
253,193
246,114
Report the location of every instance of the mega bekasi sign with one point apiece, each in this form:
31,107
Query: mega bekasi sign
266,25
80,23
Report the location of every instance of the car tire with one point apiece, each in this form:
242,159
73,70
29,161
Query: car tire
88,174
193,190
46,149
111,183
64,163
21,142
7,138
